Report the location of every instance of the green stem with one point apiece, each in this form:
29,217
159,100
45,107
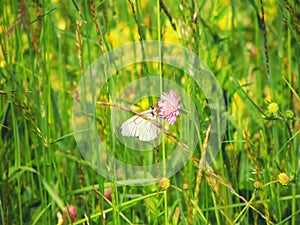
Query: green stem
161,90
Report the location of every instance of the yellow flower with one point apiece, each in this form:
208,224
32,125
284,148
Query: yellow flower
164,183
283,178
257,184
185,186
273,107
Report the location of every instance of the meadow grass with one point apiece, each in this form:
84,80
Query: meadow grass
252,47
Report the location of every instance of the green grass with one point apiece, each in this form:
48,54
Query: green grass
46,47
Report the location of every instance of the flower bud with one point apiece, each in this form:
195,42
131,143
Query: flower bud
283,178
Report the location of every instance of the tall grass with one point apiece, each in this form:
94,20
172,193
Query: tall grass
252,47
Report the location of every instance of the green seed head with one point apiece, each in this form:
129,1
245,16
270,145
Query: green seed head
289,114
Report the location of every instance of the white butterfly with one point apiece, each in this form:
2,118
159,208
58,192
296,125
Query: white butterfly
140,127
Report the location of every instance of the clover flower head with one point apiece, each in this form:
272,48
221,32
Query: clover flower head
169,106
71,210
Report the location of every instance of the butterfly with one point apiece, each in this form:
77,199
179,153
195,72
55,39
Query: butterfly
142,127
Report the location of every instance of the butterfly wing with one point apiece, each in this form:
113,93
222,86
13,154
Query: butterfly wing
148,131
139,127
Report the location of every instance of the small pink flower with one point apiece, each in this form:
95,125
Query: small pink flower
169,107
70,210
107,193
